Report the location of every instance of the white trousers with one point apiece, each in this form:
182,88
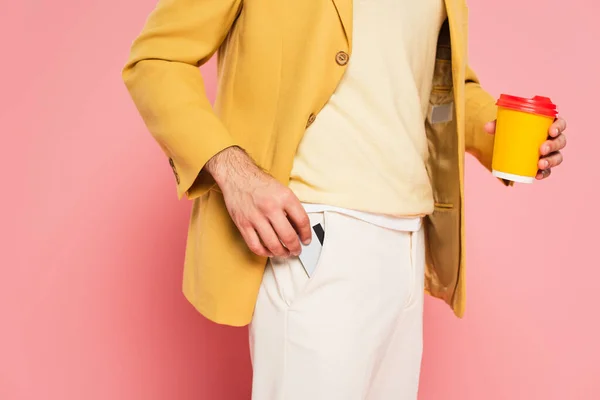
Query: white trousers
352,331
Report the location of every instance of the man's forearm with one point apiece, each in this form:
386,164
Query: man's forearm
230,164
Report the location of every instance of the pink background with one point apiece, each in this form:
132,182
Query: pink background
90,299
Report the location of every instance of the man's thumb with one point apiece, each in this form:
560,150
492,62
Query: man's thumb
490,127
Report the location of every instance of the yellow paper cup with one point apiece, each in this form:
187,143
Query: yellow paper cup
521,128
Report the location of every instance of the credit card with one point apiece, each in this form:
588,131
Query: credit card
309,257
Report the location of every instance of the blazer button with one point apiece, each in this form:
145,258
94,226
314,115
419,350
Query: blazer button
342,58
311,119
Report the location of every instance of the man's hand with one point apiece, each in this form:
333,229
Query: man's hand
268,215
550,155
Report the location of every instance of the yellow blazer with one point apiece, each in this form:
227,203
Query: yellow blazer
278,64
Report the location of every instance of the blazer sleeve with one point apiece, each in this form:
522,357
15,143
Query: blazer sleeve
480,108
163,77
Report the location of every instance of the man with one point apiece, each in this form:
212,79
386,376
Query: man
351,117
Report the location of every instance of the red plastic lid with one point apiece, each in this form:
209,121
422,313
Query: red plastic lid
536,105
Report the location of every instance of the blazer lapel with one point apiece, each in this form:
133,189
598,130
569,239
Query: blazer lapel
455,21
344,10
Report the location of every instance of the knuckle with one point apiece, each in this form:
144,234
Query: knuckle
273,213
235,215
285,196
273,245
286,193
267,205
244,223
304,221
292,200
255,217
558,145
290,239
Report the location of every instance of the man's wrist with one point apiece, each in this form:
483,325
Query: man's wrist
224,165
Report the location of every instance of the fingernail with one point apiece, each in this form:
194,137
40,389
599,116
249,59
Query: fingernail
306,242
546,149
557,131
545,163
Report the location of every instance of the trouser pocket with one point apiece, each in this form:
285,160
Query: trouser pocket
289,274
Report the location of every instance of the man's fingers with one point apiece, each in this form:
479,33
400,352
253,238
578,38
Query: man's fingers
550,161
269,238
553,145
557,127
286,233
543,174
297,215
254,244
560,142
490,127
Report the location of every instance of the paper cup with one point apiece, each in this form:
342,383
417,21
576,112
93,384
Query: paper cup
521,128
